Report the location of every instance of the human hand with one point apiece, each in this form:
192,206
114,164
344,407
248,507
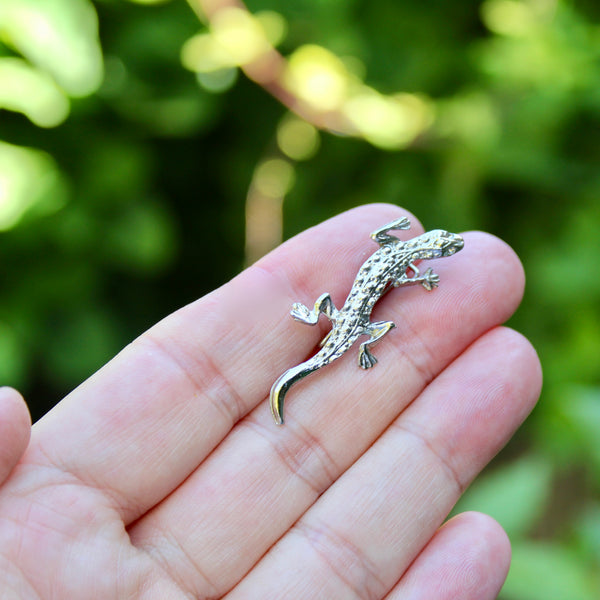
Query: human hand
163,476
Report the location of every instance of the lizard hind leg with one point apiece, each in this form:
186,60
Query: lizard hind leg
376,331
323,305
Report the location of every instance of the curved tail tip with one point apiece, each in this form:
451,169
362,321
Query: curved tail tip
276,409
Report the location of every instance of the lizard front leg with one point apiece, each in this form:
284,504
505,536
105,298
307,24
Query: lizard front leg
428,280
323,305
381,235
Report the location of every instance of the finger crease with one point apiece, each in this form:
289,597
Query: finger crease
430,357
344,559
295,450
228,401
169,544
69,476
441,459
418,365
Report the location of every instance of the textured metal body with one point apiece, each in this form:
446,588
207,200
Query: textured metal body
387,267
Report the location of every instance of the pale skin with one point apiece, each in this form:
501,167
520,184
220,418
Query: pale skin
163,476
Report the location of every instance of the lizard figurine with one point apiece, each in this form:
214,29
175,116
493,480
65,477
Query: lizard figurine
388,267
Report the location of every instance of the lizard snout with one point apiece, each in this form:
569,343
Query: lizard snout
453,244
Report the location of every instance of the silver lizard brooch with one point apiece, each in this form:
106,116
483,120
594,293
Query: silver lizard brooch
384,269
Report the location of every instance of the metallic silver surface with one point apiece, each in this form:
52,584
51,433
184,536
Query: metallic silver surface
386,268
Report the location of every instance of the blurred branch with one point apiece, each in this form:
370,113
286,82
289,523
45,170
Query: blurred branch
268,70
270,183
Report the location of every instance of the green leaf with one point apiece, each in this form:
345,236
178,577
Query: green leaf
546,571
30,91
515,495
587,530
30,183
59,37
580,412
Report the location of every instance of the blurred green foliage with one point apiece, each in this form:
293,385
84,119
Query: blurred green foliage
125,180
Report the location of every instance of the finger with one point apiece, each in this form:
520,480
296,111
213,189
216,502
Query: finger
268,476
363,533
143,423
468,558
15,427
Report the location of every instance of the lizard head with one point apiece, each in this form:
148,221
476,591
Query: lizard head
437,243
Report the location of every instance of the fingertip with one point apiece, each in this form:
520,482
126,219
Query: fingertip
528,359
495,254
15,429
487,540
13,404
513,352
468,558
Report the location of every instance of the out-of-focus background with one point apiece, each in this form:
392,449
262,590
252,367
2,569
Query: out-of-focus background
140,167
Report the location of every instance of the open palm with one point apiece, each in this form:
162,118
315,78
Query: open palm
164,476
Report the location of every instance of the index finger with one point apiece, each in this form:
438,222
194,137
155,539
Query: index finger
144,422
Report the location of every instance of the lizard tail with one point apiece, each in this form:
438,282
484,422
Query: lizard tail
284,383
